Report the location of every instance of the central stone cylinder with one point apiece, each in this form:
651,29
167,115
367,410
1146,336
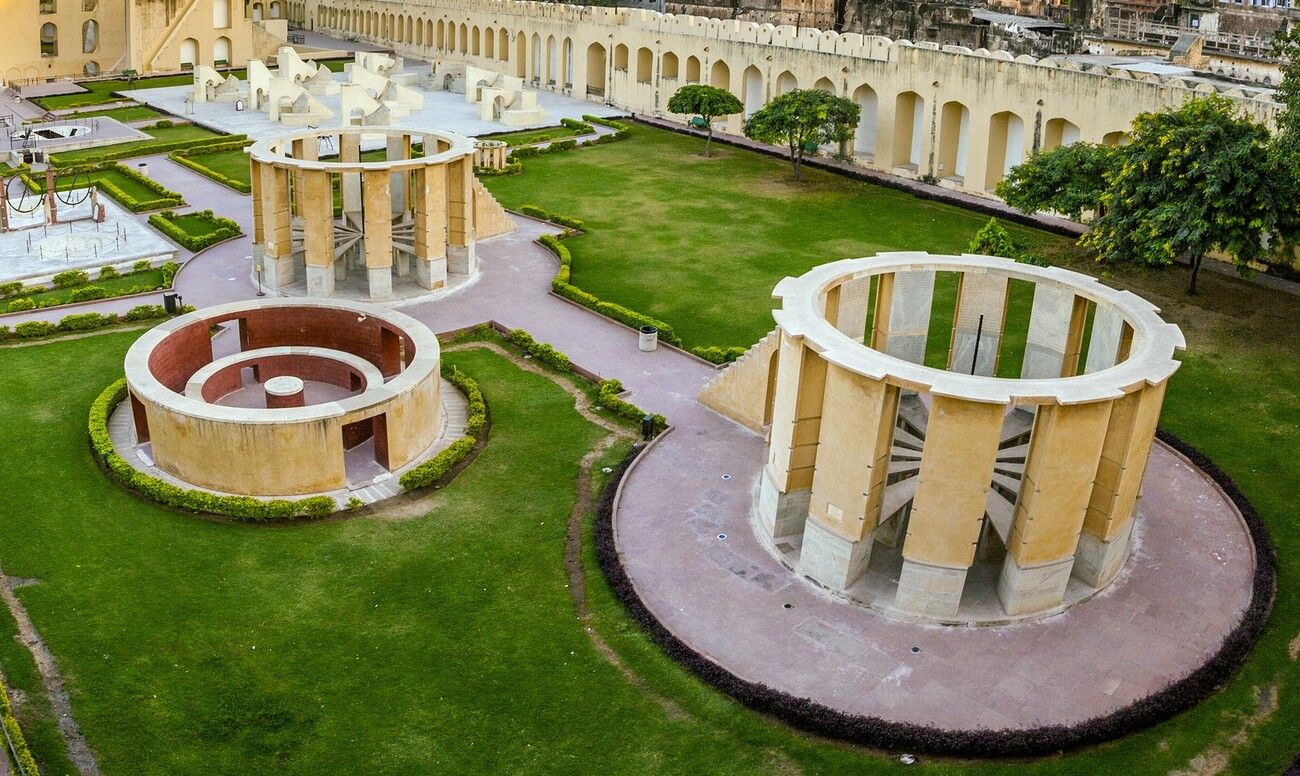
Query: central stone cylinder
284,391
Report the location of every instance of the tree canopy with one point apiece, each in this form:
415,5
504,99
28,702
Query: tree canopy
707,102
1193,178
802,118
1069,179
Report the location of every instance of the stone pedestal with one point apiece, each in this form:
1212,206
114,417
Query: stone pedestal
431,273
830,559
277,273
284,391
1035,588
782,514
461,260
1097,561
931,591
320,281
380,281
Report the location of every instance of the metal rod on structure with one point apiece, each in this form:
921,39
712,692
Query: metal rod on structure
979,332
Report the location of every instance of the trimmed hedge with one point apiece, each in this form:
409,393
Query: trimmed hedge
182,157
222,229
609,391
198,501
718,355
437,467
26,763
540,350
887,734
79,279
85,322
555,218
622,130
166,197
145,148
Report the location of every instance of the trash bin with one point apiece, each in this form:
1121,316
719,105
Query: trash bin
647,427
649,338
144,169
171,302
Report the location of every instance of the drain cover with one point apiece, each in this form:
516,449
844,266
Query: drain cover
722,536
726,476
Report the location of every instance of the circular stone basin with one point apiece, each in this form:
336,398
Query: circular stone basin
69,245
284,385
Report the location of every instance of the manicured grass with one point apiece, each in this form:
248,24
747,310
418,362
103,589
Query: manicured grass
135,191
100,92
721,232
165,134
196,230
232,163
118,286
35,716
700,243
530,136
128,113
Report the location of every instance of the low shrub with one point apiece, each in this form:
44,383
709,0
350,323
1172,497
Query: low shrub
609,391
87,294
1034,259
577,126
555,218
33,329
993,240
540,350
86,321
169,271
511,168
238,507
20,305
142,148
70,278
141,265
144,312
109,272
220,229
621,129
14,734
718,355
11,289
437,467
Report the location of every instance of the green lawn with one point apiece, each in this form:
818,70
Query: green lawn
128,113
166,134
232,163
100,92
530,136
132,188
118,286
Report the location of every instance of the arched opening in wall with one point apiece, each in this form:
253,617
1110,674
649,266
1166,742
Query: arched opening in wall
692,70
566,54
503,45
954,138
1115,139
419,32
474,41
552,60
521,55
720,75
399,30
864,139
751,84
91,68
221,51
825,85
645,65
786,82
220,14
769,401
620,57
596,69
49,40
189,53
537,58
909,116
464,39
1059,132
410,32
490,43
257,12
89,36
277,10
668,68
1006,146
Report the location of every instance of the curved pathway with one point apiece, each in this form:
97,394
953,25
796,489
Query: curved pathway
1186,588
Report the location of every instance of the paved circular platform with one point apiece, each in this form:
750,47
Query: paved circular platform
684,538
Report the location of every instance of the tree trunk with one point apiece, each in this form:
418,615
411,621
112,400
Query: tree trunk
795,153
707,140
1196,270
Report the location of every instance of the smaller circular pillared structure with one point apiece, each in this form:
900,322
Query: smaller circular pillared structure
958,472
335,378
407,219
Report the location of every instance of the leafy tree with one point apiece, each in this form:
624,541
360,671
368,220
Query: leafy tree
1069,179
707,102
1286,142
993,240
1193,178
802,118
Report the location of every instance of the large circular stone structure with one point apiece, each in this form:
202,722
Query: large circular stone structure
311,386
1039,473
408,219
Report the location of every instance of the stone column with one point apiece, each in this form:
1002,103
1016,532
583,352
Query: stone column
317,211
1059,467
849,481
284,391
909,315
786,483
277,261
431,227
1130,431
846,307
961,445
1074,337
379,234
460,217
977,323
350,182
878,338
255,178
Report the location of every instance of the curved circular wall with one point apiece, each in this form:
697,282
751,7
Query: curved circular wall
311,382
956,467
407,219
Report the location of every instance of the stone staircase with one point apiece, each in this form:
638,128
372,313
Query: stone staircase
739,391
490,218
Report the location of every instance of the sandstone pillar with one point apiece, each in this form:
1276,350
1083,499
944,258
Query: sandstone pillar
277,259
431,227
379,233
460,217
350,182
786,483
317,209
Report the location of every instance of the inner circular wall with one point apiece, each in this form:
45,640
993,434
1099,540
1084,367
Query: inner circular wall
870,451
388,361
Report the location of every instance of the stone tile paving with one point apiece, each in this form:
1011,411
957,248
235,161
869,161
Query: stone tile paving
1188,581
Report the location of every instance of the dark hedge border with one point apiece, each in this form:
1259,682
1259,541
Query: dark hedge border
879,733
